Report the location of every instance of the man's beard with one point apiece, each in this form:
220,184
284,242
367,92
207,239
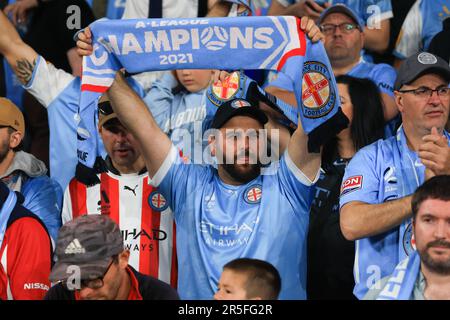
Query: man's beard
243,176
439,267
4,149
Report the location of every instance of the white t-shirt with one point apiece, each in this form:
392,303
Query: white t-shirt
136,9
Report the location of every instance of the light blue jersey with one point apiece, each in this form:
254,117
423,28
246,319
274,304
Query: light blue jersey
423,22
376,257
266,218
183,116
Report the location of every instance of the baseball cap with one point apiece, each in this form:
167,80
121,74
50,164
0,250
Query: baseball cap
341,8
11,116
87,242
105,112
419,64
237,107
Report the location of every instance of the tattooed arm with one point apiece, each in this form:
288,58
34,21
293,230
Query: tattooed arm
21,57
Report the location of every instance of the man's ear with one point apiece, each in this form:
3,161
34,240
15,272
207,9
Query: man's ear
124,256
15,139
212,144
399,101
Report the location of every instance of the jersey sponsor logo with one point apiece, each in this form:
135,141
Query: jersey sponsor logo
75,247
390,183
36,285
409,243
153,234
351,184
131,189
386,86
240,103
157,201
253,194
318,96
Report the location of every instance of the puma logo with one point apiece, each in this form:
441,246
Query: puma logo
132,190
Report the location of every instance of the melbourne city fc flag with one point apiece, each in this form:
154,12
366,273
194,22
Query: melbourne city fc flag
272,43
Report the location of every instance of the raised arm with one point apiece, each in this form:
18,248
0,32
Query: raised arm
20,56
377,39
134,114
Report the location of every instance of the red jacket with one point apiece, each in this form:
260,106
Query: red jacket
25,258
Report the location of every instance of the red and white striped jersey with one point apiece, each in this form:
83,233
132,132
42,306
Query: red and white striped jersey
142,213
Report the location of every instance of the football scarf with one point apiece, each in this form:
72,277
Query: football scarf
400,285
409,179
272,43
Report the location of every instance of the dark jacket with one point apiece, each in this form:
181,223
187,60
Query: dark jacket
150,289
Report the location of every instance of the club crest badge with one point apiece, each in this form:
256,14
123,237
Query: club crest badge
318,94
409,243
157,201
253,194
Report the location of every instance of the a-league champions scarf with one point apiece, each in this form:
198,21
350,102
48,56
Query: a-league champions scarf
272,43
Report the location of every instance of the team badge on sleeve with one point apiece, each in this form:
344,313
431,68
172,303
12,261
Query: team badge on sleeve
318,96
157,201
351,184
409,243
253,194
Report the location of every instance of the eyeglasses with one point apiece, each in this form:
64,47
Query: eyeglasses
425,92
96,283
91,284
346,28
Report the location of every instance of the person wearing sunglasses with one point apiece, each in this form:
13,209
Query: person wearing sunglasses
375,203
125,195
92,264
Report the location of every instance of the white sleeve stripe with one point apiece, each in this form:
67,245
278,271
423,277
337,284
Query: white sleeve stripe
28,85
101,71
47,82
409,40
298,173
97,81
165,167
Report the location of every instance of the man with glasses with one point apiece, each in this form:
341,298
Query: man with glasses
378,182
92,264
344,40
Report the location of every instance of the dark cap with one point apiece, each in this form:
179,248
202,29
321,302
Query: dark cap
341,8
237,107
105,113
87,242
419,64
